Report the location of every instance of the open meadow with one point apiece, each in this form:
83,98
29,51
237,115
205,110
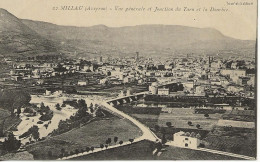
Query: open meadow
92,134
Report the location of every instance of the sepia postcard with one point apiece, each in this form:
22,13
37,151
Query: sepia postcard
128,79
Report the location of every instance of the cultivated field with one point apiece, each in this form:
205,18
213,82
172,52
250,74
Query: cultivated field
237,140
180,117
176,153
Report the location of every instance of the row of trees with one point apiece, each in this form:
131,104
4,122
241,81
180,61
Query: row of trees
82,116
190,124
197,101
108,142
33,132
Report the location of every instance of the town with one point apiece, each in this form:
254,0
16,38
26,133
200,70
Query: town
162,86
219,90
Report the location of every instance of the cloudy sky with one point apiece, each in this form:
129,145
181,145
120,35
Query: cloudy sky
238,22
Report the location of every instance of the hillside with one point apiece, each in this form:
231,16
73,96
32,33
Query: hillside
148,39
17,38
33,37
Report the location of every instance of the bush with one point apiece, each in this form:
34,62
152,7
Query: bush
157,128
131,140
47,116
11,144
40,122
169,124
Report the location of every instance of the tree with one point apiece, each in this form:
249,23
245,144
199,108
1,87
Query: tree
164,140
157,128
77,151
99,113
35,132
87,149
42,106
198,126
106,146
163,130
82,104
115,139
11,143
58,106
189,123
101,146
108,141
158,145
18,111
206,115
131,140
92,148
14,99
120,142
169,124
91,108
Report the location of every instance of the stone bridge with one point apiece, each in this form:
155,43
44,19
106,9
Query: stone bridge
126,99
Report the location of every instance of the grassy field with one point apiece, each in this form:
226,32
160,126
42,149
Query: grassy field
237,140
180,117
143,151
137,151
92,134
175,153
149,120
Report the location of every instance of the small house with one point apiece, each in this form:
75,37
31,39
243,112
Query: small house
187,140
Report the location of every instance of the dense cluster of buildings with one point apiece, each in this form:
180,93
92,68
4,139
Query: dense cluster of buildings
187,76
214,76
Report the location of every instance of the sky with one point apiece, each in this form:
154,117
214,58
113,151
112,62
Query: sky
238,22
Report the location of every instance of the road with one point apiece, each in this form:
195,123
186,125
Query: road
99,149
147,133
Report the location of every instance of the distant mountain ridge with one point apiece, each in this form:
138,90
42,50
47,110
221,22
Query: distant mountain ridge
27,36
16,37
143,38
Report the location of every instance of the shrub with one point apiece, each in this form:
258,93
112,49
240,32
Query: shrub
131,140
169,124
202,145
40,122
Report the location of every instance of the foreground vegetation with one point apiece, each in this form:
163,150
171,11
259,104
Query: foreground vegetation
91,135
